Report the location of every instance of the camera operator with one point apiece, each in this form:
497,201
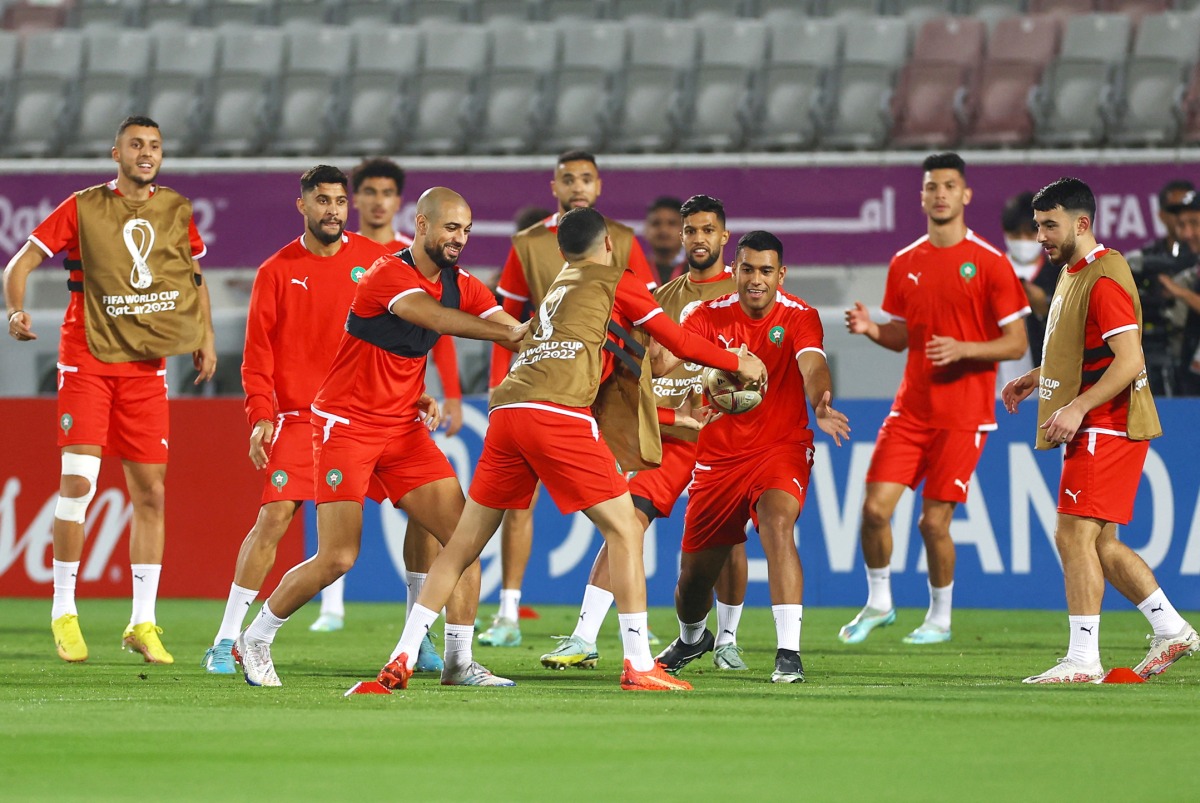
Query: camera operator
1185,286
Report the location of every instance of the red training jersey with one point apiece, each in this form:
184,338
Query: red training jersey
1110,312
445,357
60,232
790,329
967,291
297,315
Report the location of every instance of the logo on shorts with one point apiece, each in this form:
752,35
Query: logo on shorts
967,270
66,422
776,335
356,273
333,479
279,479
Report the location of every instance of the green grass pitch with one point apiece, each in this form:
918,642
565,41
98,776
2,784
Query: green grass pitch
877,722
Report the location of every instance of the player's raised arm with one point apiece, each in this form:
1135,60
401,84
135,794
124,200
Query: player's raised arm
818,387
16,274
891,335
424,311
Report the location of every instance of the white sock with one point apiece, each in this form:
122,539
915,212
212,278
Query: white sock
265,625
879,588
1157,609
415,581
415,628
940,603
333,598
510,603
458,646
728,617
692,632
236,608
64,588
145,591
788,619
1085,639
633,638
596,602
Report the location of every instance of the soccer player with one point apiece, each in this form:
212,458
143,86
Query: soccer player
1094,399
541,426
655,491
954,302
755,465
532,265
136,297
367,425
661,230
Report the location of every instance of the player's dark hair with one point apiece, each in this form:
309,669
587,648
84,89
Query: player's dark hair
321,174
705,203
1175,185
530,215
138,120
576,156
761,241
1018,213
378,167
1069,193
945,161
579,230
664,202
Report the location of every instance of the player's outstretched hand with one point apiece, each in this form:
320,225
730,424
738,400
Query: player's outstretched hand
750,368
431,413
260,436
695,418
832,423
858,319
204,359
517,331
19,324
1017,389
452,415
943,351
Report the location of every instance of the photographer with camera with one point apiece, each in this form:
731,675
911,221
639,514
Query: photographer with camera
1185,286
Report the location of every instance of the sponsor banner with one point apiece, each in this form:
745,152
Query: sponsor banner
1006,555
213,495
825,214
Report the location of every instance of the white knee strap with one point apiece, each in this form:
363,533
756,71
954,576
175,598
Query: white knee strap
74,508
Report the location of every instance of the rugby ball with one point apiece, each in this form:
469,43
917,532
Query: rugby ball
729,394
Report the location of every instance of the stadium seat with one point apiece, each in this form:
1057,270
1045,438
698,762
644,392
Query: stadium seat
857,9
783,10
1135,8
368,13
379,92
239,12
447,110
45,104
732,54
707,9
493,11
655,87
1189,109
1064,8
929,103
1019,50
585,84
105,13
26,15
583,10
303,12
795,95
1076,95
415,12
1166,48
171,13
875,50
113,87
517,87
180,89
246,92
318,62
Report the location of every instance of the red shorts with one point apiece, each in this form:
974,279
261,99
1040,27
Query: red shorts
1100,476
290,472
127,416
662,486
353,460
723,498
907,452
561,446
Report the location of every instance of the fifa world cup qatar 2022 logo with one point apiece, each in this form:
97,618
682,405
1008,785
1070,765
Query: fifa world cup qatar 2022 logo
545,326
138,235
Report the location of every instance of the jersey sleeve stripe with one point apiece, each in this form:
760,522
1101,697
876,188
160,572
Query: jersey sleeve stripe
982,243
893,316
41,245
513,296
813,349
1119,330
487,313
203,251
653,312
1016,316
399,296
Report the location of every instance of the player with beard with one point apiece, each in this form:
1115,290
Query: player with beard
655,490
371,423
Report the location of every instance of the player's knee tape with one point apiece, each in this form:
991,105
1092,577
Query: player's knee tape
74,508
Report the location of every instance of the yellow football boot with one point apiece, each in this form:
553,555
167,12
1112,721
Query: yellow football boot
68,638
143,638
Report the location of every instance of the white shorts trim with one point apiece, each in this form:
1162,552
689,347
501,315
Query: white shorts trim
552,409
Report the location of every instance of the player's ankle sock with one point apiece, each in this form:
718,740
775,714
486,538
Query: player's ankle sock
510,603
1161,614
333,598
415,628
65,573
940,604
414,581
728,617
1085,639
691,633
596,602
788,619
633,638
265,625
145,591
879,588
458,645
236,607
